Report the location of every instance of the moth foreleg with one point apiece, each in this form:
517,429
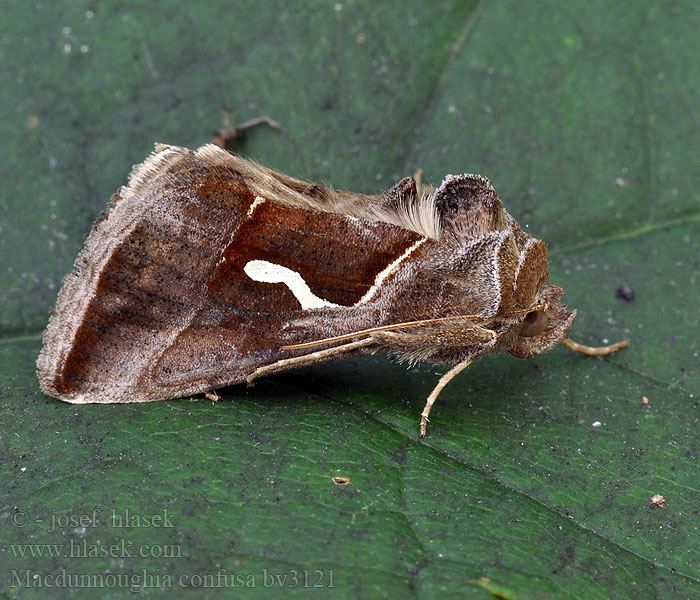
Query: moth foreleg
307,359
444,380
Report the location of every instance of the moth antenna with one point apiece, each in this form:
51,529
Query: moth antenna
347,336
594,350
444,380
307,359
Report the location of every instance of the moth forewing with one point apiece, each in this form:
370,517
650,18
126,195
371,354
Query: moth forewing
209,270
193,280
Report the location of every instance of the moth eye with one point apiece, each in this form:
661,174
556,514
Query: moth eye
534,324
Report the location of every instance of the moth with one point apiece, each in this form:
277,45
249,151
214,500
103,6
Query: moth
208,270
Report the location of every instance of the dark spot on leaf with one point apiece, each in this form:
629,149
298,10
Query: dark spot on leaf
399,455
625,292
358,532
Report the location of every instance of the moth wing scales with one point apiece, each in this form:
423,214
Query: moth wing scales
154,320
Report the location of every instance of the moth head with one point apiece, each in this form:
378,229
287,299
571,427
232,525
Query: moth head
544,321
543,327
500,270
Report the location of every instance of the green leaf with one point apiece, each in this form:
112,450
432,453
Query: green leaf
536,478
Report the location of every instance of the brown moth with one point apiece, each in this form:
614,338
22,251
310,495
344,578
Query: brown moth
209,270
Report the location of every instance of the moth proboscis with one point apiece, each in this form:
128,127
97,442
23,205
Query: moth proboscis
210,270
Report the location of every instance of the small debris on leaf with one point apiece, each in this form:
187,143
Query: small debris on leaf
657,500
341,480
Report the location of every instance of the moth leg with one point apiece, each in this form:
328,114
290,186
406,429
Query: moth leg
306,359
594,350
212,395
260,121
227,137
444,380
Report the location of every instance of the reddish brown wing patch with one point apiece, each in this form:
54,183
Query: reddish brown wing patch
338,257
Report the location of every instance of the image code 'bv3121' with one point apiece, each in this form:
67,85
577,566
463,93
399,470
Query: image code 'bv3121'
209,270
